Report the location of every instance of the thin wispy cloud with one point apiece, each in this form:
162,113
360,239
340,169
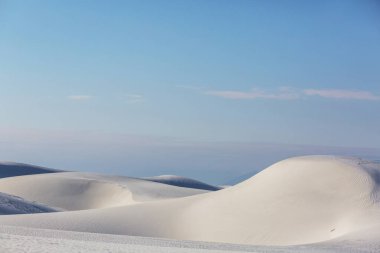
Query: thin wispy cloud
134,98
342,94
286,93
79,97
279,94
190,87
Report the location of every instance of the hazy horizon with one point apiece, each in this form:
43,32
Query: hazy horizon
144,156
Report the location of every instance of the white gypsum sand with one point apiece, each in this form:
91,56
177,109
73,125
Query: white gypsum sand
313,200
19,239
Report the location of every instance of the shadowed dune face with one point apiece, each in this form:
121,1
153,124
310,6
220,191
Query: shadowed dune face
296,201
15,205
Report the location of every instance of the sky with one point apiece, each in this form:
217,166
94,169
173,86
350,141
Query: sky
190,87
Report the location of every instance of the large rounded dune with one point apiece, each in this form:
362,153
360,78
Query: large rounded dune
298,200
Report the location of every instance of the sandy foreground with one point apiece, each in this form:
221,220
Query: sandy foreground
18,239
302,204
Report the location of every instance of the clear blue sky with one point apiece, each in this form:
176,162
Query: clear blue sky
291,72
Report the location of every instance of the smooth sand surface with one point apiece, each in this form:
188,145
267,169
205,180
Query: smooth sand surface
28,240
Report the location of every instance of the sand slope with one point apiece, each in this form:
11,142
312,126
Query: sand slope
296,201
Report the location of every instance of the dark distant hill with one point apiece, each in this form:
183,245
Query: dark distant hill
183,182
11,169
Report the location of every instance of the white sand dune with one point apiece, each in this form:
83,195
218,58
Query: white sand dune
296,201
11,169
79,191
183,182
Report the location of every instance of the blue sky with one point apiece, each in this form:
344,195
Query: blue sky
287,72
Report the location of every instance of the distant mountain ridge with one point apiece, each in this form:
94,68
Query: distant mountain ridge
12,169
